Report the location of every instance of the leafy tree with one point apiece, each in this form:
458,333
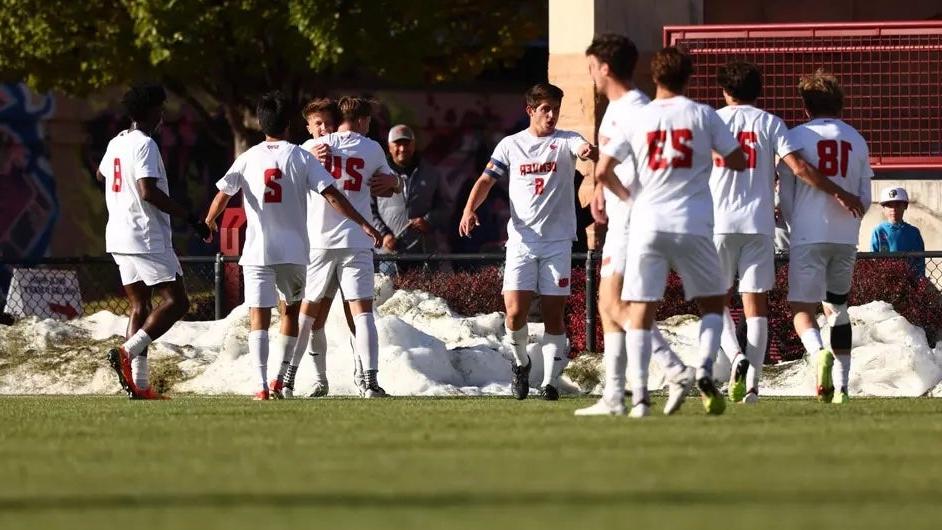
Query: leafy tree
228,52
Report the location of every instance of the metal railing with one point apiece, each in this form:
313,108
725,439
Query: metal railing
207,277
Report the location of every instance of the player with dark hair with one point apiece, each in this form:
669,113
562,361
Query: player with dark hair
275,178
139,236
824,230
611,64
744,222
340,257
670,143
538,165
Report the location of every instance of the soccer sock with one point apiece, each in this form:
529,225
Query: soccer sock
285,349
841,372
811,339
137,343
518,343
304,335
728,340
711,327
318,348
757,342
615,359
367,340
140,371
663,355
258,347
638,342
555,358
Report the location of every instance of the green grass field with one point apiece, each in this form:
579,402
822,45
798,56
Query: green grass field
197,462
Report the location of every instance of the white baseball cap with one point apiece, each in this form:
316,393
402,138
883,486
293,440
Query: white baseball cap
893,194
400,132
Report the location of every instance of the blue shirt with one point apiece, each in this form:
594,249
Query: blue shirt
903,237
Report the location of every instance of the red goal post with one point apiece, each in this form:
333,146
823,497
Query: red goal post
891,73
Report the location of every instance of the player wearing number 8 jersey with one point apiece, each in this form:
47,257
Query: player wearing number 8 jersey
538,165
824,230
139,237
670,143
340,255
275,177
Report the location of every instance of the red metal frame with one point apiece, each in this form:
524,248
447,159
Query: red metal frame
891,73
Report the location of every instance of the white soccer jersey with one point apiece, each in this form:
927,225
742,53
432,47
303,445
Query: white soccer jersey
275,178
841,154
622,110
134,226
540,173
744,201
353,160
670,144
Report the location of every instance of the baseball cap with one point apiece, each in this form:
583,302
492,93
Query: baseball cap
893,194
400,132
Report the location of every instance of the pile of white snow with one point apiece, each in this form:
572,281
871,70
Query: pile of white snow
425,350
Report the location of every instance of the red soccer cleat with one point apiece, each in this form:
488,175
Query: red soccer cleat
120,362
276,387
149,394
262,395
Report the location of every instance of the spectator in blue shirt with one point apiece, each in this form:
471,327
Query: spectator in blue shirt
896,235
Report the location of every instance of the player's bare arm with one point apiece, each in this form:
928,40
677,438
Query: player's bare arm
150,193
469,219
588,151
384,184
339,202
812,177
605,175
320,152
736,160
597,206
220,201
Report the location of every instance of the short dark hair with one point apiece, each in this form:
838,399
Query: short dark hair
617,51
821,93
352,108
671,68
324,106
273,114
142,98
741,80
543,92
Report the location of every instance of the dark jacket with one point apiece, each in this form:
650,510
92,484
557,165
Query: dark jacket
419,197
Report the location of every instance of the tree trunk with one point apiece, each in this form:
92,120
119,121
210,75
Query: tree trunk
235,116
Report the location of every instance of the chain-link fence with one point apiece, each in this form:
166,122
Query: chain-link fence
66,288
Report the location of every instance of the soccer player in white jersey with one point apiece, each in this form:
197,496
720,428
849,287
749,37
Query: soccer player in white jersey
670,144
612,60
824,230
275,178
539,166
743,216
340,256
139,237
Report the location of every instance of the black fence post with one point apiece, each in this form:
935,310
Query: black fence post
590,301
217,286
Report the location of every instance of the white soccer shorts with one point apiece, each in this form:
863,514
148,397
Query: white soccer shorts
750,257
613,255
152,269
651,255
542,267
262,281
350,269
818,268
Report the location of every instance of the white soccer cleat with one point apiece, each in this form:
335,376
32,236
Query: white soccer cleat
677,389
287,392
640,410
751,398
321,389
602,408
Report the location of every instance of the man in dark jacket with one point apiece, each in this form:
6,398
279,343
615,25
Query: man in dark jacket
406,219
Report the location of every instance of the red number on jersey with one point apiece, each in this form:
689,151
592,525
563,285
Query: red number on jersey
829,160
747,140
272,188
336,167
355,183
539,184
117,180
680,141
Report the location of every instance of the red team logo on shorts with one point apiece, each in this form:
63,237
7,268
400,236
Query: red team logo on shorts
564,282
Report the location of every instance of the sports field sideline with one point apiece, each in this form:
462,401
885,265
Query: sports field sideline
197,462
